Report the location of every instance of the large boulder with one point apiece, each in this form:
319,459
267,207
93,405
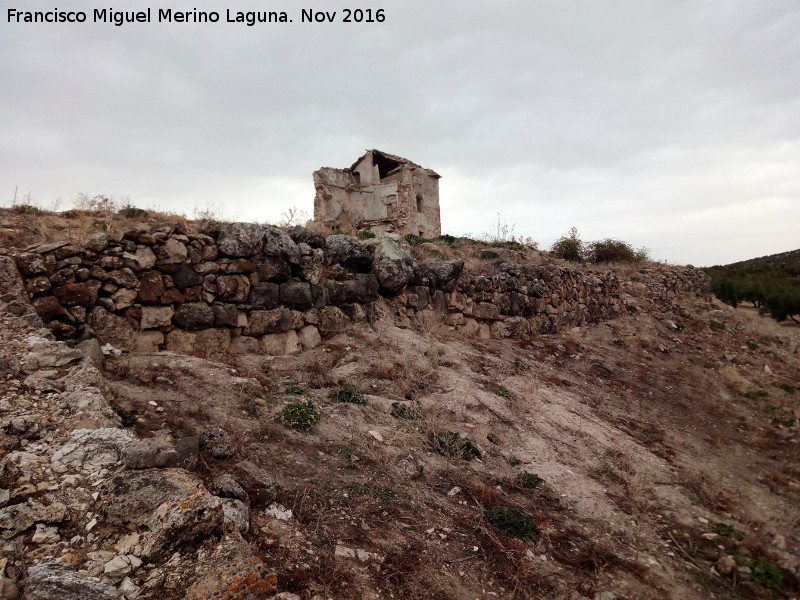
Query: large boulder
346,250
240,239
393,265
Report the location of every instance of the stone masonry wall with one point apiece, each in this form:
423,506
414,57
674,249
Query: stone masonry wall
242,288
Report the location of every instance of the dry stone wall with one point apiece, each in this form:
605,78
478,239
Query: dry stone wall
243,287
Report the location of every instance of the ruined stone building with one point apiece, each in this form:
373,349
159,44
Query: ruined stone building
381,193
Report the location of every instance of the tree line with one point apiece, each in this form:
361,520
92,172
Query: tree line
771,284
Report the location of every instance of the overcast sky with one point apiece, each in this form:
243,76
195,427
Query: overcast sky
672,125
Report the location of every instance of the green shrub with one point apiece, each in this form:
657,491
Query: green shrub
347,394
365,235
489,254
300,415
568,247
447,239
766,573
789,389
453,445
70,214
752,345
514,522
132,212
725,529
529,480
611,250
26,209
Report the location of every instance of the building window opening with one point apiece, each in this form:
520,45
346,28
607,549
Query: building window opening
419,202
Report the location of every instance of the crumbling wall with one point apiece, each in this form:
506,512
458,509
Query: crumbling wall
398,197
251,288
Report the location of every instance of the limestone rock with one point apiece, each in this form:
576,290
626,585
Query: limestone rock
278,243
235,574
182,521
156,316
88,451
52,580
148,453
303,235
236,514
225,486
171,252
269,321
97,242
393,265
194,315
347,251
240,239
218,443
259,485
111,329
130,497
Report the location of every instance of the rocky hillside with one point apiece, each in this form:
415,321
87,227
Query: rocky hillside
648,452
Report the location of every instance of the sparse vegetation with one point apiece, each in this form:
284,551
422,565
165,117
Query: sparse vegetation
293,388
453,445
528,480
70,214
347,394
514,522
488,254
503,392
365,235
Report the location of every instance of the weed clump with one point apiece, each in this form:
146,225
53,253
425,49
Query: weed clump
453,445
529,480
514,522
347,394
365,235
300,415
70,214
489,254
